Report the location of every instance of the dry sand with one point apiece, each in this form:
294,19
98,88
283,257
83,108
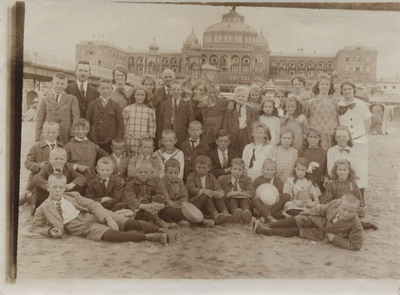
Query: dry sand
229,251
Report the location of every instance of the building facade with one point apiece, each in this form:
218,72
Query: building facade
242,55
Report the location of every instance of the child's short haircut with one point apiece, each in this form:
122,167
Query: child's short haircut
242,89
104,80
50,124
238,161
61,76
57,176
203,160
285,130
173,163
117,141
168,132
146,139
301,79
144,164
176,82
343,128
105,161
195,124
352,199
297,111
58,150
121,69
259,124
269,161
222,133
80,123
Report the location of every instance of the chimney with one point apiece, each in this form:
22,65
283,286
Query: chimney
300,50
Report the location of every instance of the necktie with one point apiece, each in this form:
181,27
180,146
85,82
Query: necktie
224,160
253,158
59,209
343,109
83,92
52,146
240,110
104,101
57,98
193,143
235,186
103,183
174,112
57,170
344,150
336,219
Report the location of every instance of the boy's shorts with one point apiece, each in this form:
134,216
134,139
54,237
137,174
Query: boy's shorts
308,229
86,225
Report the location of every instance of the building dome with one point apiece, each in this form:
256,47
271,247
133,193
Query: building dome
154,46
232,22
192,38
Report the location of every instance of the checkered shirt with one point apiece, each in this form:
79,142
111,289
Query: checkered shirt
285,158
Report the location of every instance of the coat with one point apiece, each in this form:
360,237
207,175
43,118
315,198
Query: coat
84,153
47,216
161,95
216,166
136,192
106,123
184,115
84,102
65,112
113,190
191,154
348,233
39,152
231,122
213,118
244,181
193,185
121,170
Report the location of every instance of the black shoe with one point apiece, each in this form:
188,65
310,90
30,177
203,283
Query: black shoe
368,225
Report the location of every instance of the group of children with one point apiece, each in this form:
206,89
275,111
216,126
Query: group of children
140,163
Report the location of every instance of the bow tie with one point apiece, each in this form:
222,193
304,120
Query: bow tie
344,150
57,170
343,109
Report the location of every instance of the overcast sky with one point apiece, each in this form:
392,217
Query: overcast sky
55,28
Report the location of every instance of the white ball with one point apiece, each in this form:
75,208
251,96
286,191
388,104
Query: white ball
268,194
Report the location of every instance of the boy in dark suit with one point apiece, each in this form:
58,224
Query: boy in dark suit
118,158
336,223
81,89
58,107
58,163
193,147
78,216
222,156
205,192
106,188
239,119
81,151
175,114
105,118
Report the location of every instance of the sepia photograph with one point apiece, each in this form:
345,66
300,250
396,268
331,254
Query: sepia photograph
208,141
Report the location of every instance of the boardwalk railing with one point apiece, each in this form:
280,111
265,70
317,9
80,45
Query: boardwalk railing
63,64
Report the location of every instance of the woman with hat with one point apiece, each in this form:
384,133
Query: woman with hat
354,114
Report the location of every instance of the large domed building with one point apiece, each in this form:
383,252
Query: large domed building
242,55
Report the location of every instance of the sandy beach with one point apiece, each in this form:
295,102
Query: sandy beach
228,251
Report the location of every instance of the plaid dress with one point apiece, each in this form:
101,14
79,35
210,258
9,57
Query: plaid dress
139,122
323,116
285,158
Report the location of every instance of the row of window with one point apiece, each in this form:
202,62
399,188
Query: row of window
385,87
301,64
165,61
111,53
275,72
228,39
359,58
357,68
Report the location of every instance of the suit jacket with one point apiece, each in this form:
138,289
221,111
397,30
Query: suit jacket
231,122
106,123
155,161
39,152
348,233
193,184
244,181
191,154
40,180
213,118
161,95
65,112
121,170
47,216
216,166
183,116
91,94
113,190
137,192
